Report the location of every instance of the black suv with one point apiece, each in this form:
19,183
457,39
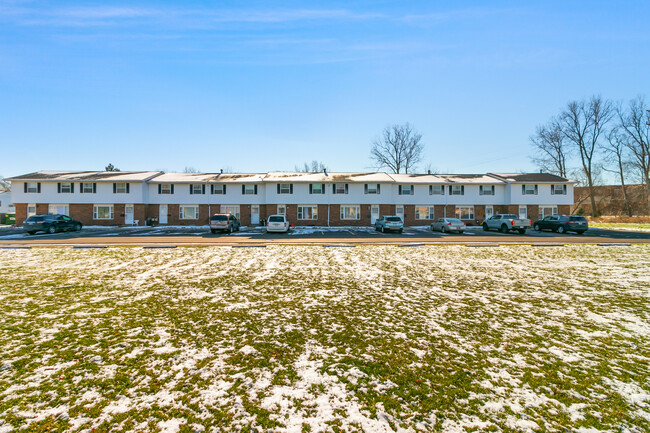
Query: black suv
562,224
51,224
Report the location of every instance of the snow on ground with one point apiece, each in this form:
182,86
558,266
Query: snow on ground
305,338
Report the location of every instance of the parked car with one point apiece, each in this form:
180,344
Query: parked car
506,223
224,222
278,224
562,224
51,224
448,225
389,223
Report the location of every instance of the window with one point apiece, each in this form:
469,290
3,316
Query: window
424,212
197,188
486,190
32,187
282,209
523,212
350,212
230,209
529,189
60,209
218,189
465,212
31,209
249,189
399,211
372,188
120,188
65,188
456,189
405,189
88,188
436,189
189,212
165,188
547,211
307,212
340,188
558,189
103,211
285,188
316,188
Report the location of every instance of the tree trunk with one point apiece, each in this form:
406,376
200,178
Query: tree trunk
628,207
592,197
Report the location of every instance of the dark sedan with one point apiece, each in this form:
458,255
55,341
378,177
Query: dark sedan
51,224
562,224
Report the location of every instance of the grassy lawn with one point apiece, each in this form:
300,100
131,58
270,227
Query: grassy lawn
621,226
299,339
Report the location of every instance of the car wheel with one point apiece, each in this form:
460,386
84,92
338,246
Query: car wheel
561,229
77,227
230,229
504,229
31,233
383,229
213,231
401,230
51,230
485,227
443,229
536,227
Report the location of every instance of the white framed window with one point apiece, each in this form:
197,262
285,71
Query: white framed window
307,212
558,189
372,188
489,211
424,212
456,189
282,209
317,188
88,188
465,212
405,189
121,188
249,189
58,209
188,212
230,209
340,188
436,190
547,211
486,190
350,212
166,188
32,187
197,188
66,188
285,188
399,211
218,189
523,212
31,209
529,189
103,212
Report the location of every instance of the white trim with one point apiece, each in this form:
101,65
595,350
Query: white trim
96,208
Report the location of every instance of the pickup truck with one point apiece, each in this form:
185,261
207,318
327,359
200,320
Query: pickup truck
505,223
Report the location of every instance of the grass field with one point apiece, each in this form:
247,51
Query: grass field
299,339
641,227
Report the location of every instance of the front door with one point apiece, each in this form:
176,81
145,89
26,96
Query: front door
489,211
128,214
162,214
255,215
374,213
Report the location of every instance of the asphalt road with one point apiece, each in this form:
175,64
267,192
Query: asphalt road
143,236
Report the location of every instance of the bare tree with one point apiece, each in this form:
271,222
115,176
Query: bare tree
399,148
314,167
635,121
582,124
111,167
551,150
616,153
4,185
189,169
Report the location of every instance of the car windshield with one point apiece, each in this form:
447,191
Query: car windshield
509,216
394,219
453,220
276,219
35,219
219,217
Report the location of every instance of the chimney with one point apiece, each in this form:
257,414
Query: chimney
222,171
429,171
325,171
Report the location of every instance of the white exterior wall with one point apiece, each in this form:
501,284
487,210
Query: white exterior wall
543,196
104,194
6,203
182,195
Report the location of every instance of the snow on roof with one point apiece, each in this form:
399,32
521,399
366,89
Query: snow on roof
471,178
326,177
209,177
417,178
530,177
95,176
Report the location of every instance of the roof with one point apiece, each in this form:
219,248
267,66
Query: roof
479,179
319,176
112,176
530,177
209,177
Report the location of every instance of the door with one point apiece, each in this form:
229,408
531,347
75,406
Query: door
399,211
162,214
128,214
374,213
489,211
255,215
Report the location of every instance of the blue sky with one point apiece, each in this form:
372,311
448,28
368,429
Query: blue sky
258,86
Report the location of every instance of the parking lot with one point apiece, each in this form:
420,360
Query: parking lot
303,235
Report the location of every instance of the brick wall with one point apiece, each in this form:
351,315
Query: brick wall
21,213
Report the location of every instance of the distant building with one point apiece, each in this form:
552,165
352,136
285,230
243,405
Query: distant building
319,199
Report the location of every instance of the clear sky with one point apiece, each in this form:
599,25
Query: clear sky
258,86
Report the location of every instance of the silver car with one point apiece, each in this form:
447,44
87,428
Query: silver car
448,225
389,223
278,223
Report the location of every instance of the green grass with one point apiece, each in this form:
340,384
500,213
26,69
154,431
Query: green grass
440,338
620,226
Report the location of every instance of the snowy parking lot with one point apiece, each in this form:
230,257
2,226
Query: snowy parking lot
306,338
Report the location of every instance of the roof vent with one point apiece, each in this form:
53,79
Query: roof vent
325,171
222,171
429,171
